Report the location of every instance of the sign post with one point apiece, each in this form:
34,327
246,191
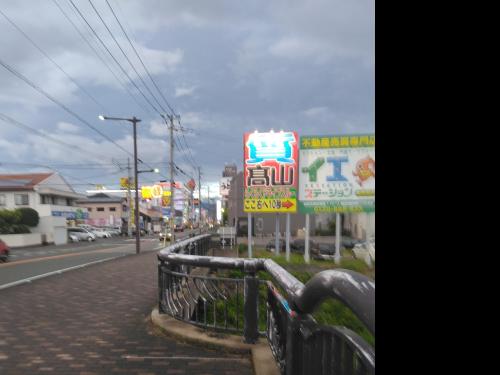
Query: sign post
250,255
306,244
277,235
287,237
337,238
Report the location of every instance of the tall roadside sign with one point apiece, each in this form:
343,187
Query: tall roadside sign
337,174
270,177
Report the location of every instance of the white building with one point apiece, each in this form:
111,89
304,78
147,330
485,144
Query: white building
47,193
361,225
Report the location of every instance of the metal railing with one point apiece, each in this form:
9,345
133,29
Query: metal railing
299,344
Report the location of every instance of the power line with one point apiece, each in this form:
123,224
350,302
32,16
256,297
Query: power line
51,60
140,59
113,57
18,124
99,57
54,100
126,57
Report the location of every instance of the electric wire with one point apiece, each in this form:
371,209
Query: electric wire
100,58
114,58
50,59
54,100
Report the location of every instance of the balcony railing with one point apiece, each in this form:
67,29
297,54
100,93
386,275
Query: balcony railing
299,344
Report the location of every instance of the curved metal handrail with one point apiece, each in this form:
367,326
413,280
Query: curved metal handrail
353,289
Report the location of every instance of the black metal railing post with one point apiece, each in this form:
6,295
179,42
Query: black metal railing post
251,304
160,287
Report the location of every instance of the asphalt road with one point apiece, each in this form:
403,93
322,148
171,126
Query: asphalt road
29,264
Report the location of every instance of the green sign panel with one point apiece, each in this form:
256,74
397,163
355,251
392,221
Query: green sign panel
337,173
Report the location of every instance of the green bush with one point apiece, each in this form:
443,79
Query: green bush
15,221
29,216
10,217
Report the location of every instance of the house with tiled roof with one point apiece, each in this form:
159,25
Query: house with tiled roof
47,193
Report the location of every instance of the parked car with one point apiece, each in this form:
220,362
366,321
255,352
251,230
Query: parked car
326,251
4,251
299,245
349,242
271,245
100,232
73,237
113,231
82,234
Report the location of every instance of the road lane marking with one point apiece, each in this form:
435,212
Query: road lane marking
58,256
56,272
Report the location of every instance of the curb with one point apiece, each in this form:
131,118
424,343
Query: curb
262,358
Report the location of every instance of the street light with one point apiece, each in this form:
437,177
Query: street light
155,170
134,122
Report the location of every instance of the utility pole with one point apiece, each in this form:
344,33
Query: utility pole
134,120
208,202
136,183
172,209
199,198
129,200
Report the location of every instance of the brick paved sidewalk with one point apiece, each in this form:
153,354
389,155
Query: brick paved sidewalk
95,320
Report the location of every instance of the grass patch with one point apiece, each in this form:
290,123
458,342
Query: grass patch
330,312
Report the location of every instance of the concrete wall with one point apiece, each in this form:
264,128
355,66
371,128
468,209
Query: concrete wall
47,227
20,240
361,225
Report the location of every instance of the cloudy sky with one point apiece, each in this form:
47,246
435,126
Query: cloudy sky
226,67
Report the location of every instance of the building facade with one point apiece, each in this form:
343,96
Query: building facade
47,193
104,210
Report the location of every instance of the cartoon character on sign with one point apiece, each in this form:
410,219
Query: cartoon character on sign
365,168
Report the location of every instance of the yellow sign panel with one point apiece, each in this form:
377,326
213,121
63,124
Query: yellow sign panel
165,201
124,182
166,193
270,205
156,191
146,192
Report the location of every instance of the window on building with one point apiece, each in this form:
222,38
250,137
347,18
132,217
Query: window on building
112,208
100,208
2,200
90,209
60,201
21,199
68,202
45,199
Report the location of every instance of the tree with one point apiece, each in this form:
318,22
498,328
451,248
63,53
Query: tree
29,216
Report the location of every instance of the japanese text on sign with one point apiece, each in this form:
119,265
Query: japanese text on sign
270,174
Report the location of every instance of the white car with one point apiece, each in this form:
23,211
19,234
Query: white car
73,238
101,233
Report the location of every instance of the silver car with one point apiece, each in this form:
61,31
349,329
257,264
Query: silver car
82,234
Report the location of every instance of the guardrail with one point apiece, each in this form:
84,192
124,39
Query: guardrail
299,344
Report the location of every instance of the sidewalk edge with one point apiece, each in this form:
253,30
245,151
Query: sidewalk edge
262,358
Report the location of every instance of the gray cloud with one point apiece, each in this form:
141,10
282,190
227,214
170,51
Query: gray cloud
227,67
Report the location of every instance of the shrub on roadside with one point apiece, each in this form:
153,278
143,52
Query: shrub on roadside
11,222
29,216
